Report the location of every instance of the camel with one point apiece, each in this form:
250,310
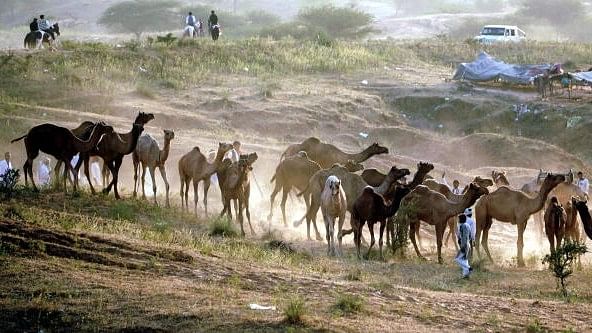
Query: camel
195,167
511,206
61,143
499,178
555,223
327,154
235,185
373,177
149,154
112,148
352,184
333,206
584,213
374,205
445,190
424,204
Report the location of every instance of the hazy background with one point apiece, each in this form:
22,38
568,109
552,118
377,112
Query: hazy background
396,19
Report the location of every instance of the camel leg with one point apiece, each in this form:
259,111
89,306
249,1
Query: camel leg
166,184
314,208
440,228
327,234
110,165
285,192
339,232
31,175
382,226
551,239
486,242
115,181
412,227
86,172
239,215
247,194
136,166
520,243
372,241
143,181
357,238
187,181
451,232
195,195
276,189
206,189
153,175
66,170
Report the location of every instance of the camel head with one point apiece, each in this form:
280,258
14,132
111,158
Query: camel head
334,185
475,190
103,128
168,134
353,166
425,167
223,148
143,118
376,149
245,162
396,174
302,154
551,181
483,182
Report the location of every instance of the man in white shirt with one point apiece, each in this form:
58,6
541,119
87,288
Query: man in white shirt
455,189
583,183
45,26
190,20
234,153
5,164
44,172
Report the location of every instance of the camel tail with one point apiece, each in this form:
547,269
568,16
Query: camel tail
272,178
18,139
306,190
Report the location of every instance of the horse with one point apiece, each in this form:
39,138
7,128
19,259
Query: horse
215,31
189,31
35,39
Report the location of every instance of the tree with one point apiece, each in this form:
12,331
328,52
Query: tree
562,260
337,22
138,16
557,12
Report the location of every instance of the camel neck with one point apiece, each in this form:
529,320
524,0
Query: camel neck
85,146
535,204
164,153
361,156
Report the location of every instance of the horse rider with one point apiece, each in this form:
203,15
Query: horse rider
45,26
34,26
190,20
212,21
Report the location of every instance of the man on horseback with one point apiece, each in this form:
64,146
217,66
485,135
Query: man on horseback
34,26
45,26
190,20
212,21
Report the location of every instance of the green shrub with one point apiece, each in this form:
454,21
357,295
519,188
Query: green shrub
8,184
122,211
295,311
348,304
222,226
337,22
561,261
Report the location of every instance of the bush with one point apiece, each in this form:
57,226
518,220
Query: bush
8,183
337,22
222,226
137,16
295,310
348,304
561,261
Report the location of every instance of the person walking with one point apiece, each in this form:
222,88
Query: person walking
5,165
464,243
44,172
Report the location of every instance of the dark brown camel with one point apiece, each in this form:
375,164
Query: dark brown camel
584,212
59,142
235,185
373,207
555,222
327,154
112,148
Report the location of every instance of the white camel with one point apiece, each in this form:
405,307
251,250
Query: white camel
333,205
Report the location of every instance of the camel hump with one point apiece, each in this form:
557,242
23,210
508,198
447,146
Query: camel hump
312,140
422,189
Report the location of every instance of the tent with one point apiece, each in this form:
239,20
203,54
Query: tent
487,68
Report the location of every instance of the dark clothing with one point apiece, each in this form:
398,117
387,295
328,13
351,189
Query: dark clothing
50,32
34,26
213,20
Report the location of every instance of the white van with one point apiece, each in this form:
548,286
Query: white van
500,33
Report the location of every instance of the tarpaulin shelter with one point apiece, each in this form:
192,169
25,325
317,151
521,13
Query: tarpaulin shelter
487,68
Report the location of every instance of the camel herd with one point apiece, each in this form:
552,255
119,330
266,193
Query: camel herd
328,179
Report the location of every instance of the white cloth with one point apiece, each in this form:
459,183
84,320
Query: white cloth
4,167
95,173
462,257
233,155
471,225
189,19
43,174
214,179
583,185
454,190
74,160
44,24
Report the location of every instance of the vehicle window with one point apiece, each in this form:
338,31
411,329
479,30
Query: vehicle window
513,32
493,31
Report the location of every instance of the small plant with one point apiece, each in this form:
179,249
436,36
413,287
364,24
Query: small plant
122,211
222,226
167,39
561,261
535,327
348,304
354,275
295,311
8,183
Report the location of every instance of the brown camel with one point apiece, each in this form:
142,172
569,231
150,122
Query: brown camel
61,143
327,154
372,206
511,206
555,223
445,190
423,204
235,185
112,148
82,132
352,184
151,156
373,177
333,206
194,166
